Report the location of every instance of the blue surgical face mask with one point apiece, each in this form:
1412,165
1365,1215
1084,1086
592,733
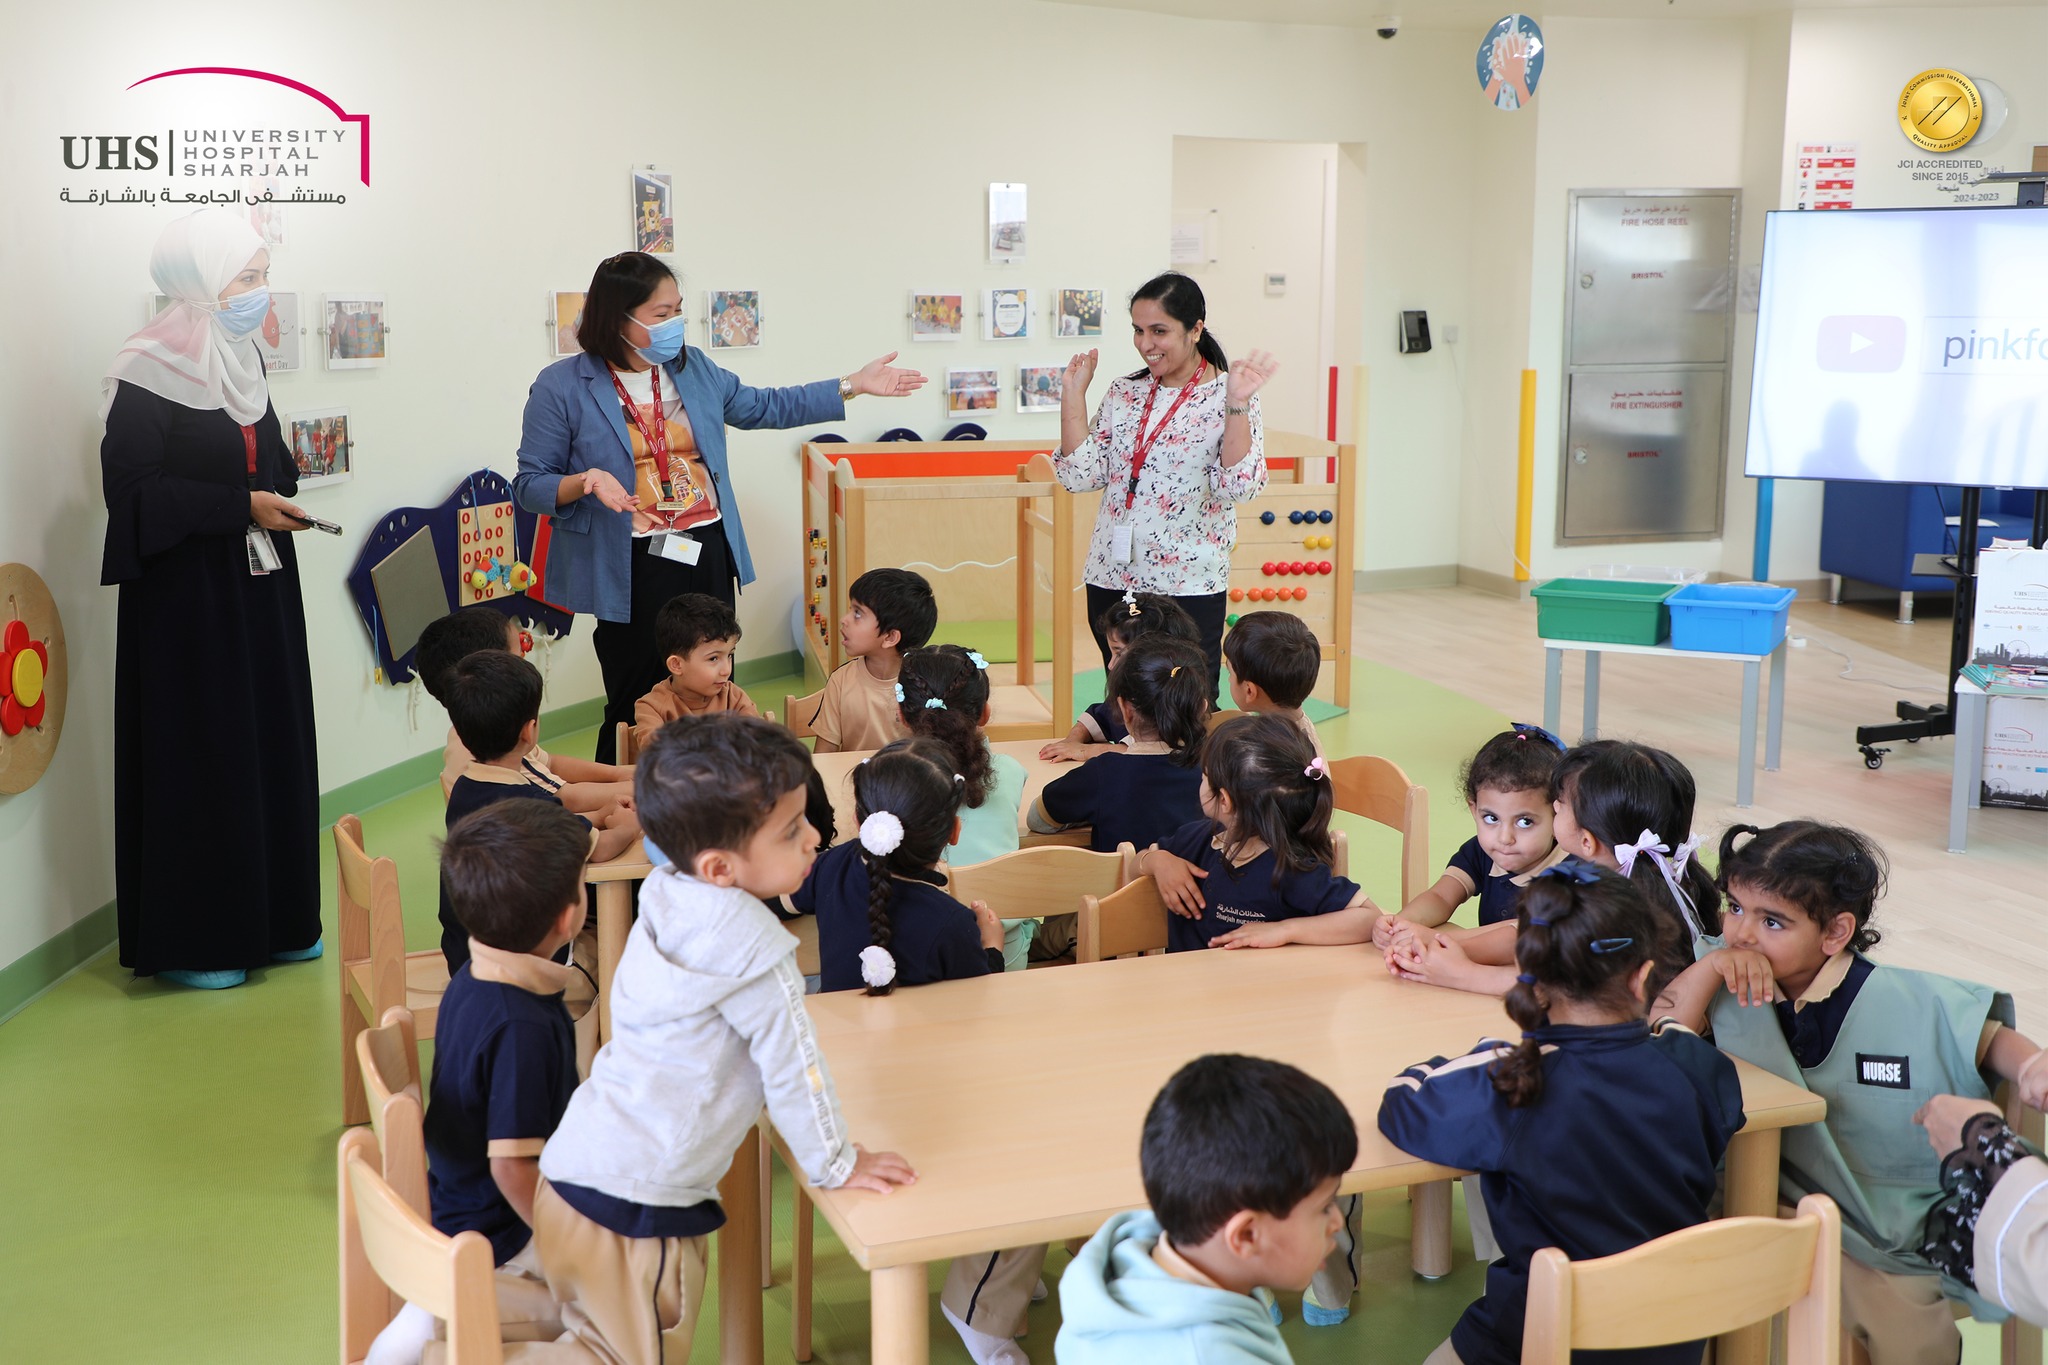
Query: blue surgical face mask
244,313
664,340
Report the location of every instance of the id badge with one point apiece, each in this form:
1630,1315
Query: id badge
262,553
1119,544
680,548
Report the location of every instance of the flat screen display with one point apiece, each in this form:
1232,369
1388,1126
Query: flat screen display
1903,346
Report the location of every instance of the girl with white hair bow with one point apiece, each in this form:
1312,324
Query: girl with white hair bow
214,772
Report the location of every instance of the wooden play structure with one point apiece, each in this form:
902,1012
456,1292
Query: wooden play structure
985,521
1295,548
988,524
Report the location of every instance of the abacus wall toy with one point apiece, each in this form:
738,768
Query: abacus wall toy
1295,544
477,547
984,521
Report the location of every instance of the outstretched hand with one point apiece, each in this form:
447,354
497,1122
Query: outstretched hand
1079,374
884,380
1248,374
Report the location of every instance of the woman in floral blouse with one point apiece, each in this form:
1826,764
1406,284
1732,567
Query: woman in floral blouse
1175,447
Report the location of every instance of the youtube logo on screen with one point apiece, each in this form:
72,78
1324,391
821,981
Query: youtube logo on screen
1861,344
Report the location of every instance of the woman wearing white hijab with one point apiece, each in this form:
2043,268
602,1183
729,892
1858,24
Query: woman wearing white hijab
216,797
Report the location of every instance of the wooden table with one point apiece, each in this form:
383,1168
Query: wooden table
1017,1143
837,770
1745,745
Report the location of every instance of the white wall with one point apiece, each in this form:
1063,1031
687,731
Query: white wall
1269,202
833,157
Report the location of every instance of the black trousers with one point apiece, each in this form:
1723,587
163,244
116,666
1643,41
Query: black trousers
626,652
1206,609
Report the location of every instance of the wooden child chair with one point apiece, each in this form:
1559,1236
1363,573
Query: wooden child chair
1698,1282
389,1248
1133,918
377,973
389,1058
1376,789
800,711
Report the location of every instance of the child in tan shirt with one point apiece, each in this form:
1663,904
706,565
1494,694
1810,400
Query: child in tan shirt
889,611
698,635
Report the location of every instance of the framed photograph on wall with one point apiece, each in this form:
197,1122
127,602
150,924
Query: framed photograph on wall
972,390
565,311
936,317
356,331
281,338
1006,315
321,446
1038,387
1078,313
1006,219
654,213
735,318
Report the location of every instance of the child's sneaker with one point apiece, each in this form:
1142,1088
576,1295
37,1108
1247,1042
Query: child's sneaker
1266,1296
1315,1315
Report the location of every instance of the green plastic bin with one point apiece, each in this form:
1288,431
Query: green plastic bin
1610,611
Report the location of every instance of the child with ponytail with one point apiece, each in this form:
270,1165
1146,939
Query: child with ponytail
1623,806
884,917
1786,986
1256,870
1592,1134
1132,618
1148,788
942,693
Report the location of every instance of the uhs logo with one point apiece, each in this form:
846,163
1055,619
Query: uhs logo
92,153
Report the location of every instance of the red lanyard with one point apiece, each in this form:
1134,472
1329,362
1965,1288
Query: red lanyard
655,433
249,445
1141,448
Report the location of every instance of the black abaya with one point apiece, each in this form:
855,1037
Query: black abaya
216,793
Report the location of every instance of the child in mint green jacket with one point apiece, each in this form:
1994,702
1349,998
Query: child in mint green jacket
1241,1159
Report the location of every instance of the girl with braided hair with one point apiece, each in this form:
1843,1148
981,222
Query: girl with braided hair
884,917
1786,986
1592,1133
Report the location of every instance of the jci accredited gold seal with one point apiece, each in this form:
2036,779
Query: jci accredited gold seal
1940,110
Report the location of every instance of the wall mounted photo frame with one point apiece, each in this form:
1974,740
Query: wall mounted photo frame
1006,315
972,390
356,331
565,314
321,446
654,212
281,338
1006,222
1038,387
1078,313
936,317
735,317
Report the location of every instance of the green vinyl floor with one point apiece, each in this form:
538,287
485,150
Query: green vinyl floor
167,1193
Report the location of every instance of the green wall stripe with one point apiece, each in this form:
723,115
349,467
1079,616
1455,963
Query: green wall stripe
49,962
43,966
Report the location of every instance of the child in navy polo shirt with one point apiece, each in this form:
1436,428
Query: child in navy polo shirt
1507,789
1592,1134
1141,791
1125,623
504,1048
1256,870
494,700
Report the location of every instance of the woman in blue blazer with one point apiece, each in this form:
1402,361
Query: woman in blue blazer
624,448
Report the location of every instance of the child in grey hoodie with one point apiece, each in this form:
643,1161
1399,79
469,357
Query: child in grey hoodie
708,1022
1241,1159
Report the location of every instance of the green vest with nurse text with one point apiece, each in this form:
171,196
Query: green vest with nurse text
1908,1036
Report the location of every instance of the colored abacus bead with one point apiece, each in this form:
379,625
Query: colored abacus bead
1326,516
1266,517
1230,620
1295,516
1237,594
1297,567
1308,542
1267,568
1301,594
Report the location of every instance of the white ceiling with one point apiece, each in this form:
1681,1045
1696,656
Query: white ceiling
1467,14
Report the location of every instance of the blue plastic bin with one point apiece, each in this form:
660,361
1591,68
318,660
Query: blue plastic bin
1730,618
